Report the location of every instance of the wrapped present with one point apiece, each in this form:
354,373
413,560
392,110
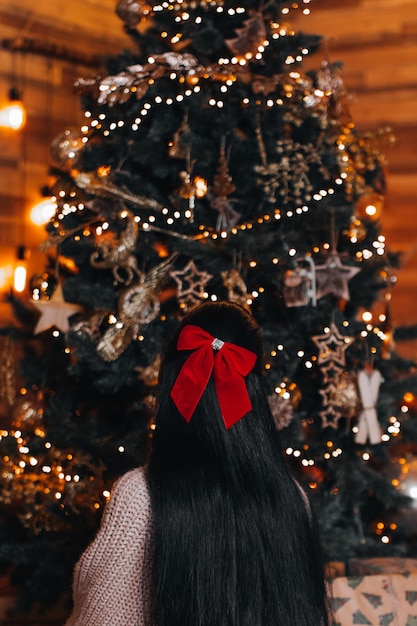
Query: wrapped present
388,600
381,565
332,569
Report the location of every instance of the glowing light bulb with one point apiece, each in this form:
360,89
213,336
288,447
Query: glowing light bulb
20,271
13,115
43,211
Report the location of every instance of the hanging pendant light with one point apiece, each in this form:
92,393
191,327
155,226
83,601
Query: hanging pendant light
43,211
13,114
20,270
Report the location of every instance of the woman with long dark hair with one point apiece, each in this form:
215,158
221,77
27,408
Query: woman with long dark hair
214,531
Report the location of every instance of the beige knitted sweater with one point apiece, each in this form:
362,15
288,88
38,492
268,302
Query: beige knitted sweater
112,579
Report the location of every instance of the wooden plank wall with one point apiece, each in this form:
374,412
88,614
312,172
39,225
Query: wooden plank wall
375,39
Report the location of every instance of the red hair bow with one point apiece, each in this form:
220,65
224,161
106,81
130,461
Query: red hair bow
229,364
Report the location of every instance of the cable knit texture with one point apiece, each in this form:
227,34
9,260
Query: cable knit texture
112,579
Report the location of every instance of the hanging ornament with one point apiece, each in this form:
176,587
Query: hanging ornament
332,345
236,288
369,429
96,184
300,283
132,11
331,372
149,375
369,205
150,403
55,312
356,231
333,277
66,149
89,329
338,391
339,397
191,284
188,191
179,147
335,98
282,410
249,38
218,195
329,413
138,306
119,253
344,395
287,178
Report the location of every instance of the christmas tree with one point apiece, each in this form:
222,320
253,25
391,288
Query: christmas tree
210,166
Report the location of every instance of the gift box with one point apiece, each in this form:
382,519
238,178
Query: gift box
388,600
381,565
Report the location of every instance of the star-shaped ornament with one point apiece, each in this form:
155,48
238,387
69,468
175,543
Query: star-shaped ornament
333,277
331,371
149,374
332,345
55,312
191,284
329,415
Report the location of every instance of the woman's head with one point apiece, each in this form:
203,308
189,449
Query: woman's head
226,321
206,429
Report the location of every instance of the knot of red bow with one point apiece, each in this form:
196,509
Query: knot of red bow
229,364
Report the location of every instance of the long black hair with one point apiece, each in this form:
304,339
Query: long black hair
235,542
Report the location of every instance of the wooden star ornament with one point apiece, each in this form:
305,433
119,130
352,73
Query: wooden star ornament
332,345
333,277
191,283
55,312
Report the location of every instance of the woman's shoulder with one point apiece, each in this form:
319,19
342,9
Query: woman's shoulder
133,479
130,492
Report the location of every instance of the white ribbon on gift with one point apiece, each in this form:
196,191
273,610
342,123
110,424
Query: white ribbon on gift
368,425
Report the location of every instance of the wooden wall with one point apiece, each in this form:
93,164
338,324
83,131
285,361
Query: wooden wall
375,39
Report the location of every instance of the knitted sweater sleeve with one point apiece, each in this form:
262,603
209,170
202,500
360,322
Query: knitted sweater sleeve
111,585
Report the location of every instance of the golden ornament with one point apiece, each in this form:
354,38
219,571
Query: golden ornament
118,253
369,205
356,231
236,288
344,396
149,375
66,148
